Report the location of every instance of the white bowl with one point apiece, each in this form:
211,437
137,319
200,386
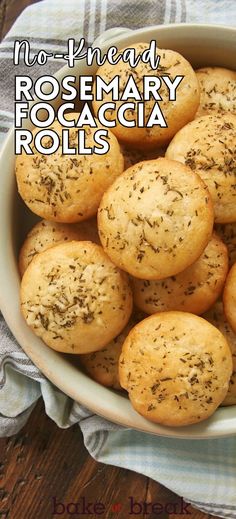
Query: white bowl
201,45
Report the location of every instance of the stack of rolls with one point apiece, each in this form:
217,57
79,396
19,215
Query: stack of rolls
128,267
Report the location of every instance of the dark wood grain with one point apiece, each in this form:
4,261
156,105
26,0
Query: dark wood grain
43,462
2,16
9,11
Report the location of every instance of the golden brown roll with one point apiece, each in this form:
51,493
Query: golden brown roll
216,317
156,219
228,234
103,365
218,91
132,157
176,368
47,234
193,290
208,146
74,298
177,113
229,297
68,188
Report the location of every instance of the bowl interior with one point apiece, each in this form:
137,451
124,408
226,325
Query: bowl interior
202,46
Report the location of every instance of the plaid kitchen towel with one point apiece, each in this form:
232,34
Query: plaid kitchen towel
203,472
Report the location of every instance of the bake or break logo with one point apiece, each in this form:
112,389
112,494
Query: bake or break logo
125,98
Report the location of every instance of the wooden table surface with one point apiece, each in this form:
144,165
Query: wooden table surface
44,465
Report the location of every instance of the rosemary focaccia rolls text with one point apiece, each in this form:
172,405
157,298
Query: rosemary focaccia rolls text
74,298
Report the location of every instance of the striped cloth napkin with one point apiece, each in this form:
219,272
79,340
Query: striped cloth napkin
203,472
